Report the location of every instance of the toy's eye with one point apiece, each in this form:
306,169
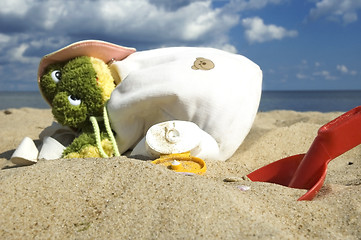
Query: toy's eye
74,100
56,76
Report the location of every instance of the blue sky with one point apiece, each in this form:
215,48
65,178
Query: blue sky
300,45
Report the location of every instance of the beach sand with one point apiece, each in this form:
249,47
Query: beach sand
122,198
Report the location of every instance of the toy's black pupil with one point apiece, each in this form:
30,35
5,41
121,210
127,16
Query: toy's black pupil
58,75
74,98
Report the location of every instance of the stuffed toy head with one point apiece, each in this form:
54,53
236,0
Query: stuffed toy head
77,83
76,80
77,89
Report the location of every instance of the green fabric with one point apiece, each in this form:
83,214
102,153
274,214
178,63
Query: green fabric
78,80
47,84
78,84
109,131
94,122
84,140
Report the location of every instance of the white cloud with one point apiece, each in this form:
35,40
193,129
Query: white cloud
150,22
18,55
313,72
343,69
228,48
17,7
301,76
241,5
337,10
54,12
325,74
153,23
195,22
4,39
32,28
257,31
257,4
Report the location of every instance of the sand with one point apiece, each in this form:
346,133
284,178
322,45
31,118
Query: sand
123,198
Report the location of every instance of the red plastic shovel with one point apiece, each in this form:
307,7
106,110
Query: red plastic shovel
308,171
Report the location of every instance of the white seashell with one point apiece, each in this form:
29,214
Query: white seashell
172,137
51,149
26,153
243,188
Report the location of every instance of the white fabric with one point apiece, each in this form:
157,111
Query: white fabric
26,153
63,134
54,137
51,149
221,97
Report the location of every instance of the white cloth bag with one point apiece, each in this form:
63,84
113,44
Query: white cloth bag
217,90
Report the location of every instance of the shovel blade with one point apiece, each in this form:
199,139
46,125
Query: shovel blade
282,171
279,172
308,171
319,180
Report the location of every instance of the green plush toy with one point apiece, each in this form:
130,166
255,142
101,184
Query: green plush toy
77,91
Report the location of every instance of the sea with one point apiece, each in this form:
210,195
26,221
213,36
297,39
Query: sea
320,101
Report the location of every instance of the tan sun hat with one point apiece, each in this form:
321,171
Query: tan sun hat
92,48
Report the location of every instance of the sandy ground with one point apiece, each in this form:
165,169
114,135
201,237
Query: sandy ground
122,198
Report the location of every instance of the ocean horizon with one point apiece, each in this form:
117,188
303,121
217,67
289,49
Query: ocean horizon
302,101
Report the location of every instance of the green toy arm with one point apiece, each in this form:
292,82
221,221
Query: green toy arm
109,131
94,121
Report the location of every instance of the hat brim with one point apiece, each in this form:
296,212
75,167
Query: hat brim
92,48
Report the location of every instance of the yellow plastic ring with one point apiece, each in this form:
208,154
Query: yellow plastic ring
181,163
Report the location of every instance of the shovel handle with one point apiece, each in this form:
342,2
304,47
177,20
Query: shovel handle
342,133
333,139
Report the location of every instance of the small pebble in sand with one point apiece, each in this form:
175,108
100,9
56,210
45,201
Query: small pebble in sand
236,179
8,112
243,188
186,173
